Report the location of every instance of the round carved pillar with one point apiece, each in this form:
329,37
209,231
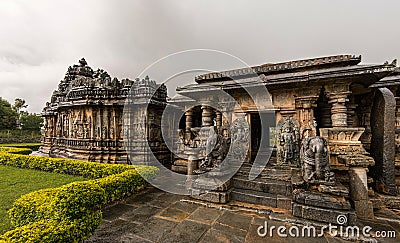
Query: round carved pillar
338,94
218,119
206,116
352,119
189,120
339,109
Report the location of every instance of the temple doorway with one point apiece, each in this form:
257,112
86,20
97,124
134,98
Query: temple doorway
255,136
322,112
262,125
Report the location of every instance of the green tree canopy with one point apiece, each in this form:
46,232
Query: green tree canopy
8,116
31,122
19,104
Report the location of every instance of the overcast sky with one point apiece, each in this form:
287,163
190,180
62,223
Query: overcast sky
40,39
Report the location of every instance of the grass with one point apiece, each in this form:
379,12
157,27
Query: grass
15,182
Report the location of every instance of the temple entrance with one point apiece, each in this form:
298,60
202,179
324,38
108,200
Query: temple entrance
255,128
322,112
261,134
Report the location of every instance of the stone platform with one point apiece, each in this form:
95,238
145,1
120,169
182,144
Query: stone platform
156,216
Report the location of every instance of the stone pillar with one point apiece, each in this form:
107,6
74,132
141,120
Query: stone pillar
359,192
115,124
93,125
189,120
352,119
338,96
218,119
305,106
206,116
383,141
100,125
188,123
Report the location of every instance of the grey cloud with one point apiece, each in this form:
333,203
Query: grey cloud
40,39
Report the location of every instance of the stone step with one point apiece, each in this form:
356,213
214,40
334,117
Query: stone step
276,173
392,202
261,198
333,216
275,187
320,200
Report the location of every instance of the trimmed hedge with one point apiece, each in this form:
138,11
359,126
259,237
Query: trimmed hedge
55,231
90,170
14,150
33,146
69,213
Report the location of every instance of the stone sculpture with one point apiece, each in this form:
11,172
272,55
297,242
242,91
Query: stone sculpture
288,137
216,150
315,161
240,139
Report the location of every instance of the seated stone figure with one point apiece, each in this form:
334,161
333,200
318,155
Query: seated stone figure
315,161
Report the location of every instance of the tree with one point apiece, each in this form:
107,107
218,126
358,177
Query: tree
30,122
19,104
8,116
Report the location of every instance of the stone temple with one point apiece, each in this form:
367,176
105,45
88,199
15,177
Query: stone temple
322,133
84,118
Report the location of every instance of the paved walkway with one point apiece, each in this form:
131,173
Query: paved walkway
156,216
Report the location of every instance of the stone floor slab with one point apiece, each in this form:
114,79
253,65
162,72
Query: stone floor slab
186,231
253,237
141,214
173,214
235,220
185,206
129,238
117,210
216,236
154,229
205,215
111,231
156,216
160,203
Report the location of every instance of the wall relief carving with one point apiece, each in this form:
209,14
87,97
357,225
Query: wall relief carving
288,140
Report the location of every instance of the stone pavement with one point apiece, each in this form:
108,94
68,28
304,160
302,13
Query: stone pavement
156,216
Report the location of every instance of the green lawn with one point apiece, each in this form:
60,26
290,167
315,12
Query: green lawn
15,182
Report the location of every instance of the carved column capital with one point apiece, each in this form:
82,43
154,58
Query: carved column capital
306,102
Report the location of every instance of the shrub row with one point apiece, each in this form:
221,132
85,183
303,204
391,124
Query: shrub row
69,213
64,166
33,146
13,150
